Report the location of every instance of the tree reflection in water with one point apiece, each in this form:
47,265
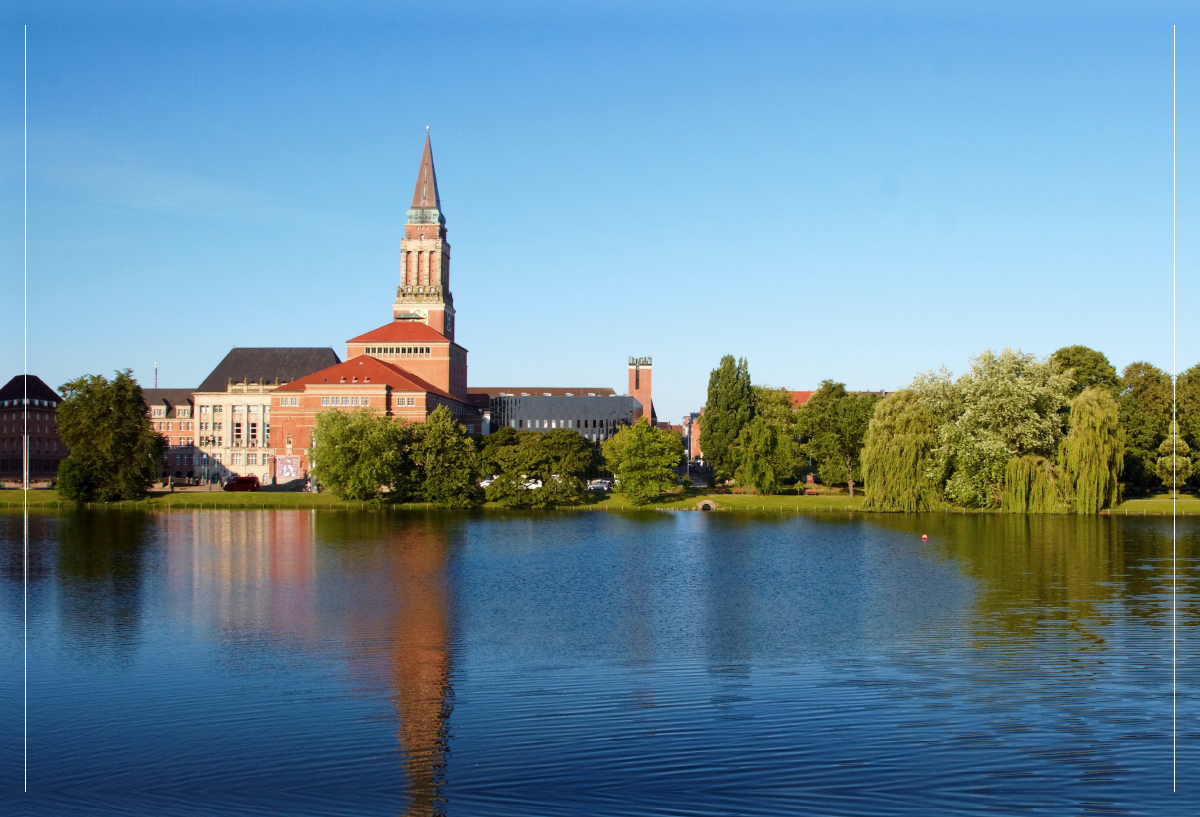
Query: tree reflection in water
99,567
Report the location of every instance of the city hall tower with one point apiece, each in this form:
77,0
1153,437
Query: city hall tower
424,291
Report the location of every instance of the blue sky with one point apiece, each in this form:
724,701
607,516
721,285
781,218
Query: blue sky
857,191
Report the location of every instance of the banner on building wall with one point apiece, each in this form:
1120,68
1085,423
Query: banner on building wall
287,468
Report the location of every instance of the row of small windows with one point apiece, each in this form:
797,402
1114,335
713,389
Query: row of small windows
289,401
345,401
43,403
563,424
399,351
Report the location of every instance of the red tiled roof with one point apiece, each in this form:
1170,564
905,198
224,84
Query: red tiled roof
402,332
368,370
799,398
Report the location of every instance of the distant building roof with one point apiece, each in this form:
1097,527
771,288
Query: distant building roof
170,399
542,391
366,369
15,389
274,364
799,398
402,332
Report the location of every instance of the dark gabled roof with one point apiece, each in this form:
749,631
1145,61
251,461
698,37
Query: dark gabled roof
15,389
271,365
170,398
541,391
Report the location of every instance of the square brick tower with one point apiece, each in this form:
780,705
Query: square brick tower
424,291
640,373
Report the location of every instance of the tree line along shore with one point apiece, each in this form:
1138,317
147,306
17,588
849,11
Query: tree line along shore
1015,433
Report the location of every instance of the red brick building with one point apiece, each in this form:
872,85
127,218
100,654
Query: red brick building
640,375
173,415
28,423
364,382
404,369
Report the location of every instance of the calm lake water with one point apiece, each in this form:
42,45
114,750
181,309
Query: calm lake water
388,663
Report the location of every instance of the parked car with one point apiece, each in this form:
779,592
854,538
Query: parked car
241,484
600,485
486,481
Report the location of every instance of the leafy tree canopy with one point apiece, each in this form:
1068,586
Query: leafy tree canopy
758,445
1187,405
1174,466
449,461
114,453
355,453
561,459
1092,456
1145,413
896,456
729,407
643,459
1087,369
1007,405
833,424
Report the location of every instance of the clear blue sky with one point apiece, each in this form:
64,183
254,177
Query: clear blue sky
846,191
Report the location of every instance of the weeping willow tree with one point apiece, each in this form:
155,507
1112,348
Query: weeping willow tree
1031,485
1174,465
1093,454
896,456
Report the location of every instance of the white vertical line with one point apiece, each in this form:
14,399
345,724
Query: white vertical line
25,415
1174,428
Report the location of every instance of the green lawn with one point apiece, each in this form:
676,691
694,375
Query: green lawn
1159,504
188,500
685,500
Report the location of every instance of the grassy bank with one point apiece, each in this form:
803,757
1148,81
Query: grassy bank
11,500
197,500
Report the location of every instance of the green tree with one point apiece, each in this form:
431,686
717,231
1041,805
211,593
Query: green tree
896,456
833,424
1093,454
1187,405
1174,466
644,460
449,461
1145,415
775,407
758,446
355,453
1088,369
493,447
561,459
1031,485
729,407
1008,405
114,453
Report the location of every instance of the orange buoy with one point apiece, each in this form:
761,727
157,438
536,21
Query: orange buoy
924,537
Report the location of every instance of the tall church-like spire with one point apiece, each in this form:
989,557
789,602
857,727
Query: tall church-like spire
425,196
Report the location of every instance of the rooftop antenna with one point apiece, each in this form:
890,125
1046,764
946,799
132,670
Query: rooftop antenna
156,374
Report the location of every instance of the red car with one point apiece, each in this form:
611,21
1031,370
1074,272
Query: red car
242,484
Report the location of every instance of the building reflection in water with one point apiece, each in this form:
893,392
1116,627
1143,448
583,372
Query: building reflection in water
244,571
255,573
421,662
396,629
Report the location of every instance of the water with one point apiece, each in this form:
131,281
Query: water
301,662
